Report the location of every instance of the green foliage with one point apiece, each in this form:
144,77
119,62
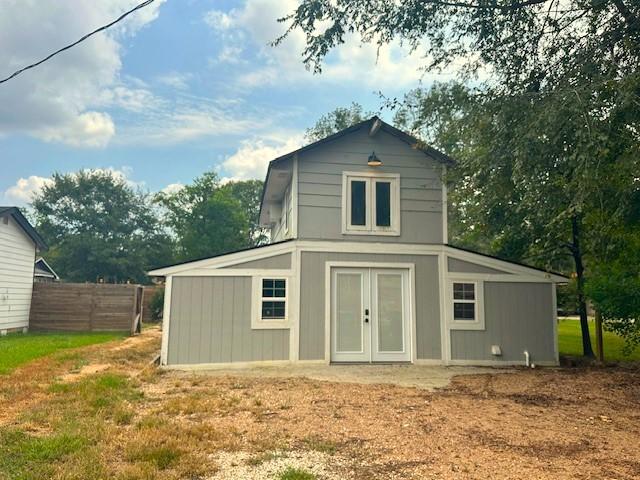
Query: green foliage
615,346
208,218
336,120
296,474
157,304
614,288
97,226
17,349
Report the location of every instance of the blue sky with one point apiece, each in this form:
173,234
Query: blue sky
182,87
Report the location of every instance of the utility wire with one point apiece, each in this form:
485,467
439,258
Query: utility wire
104,27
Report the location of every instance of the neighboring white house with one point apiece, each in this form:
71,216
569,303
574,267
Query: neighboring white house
359,270
19,244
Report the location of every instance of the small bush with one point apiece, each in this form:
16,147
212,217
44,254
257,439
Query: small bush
157,304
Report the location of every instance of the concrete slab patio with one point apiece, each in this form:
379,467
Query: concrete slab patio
416,376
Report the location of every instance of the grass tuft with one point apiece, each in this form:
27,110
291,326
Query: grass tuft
296,474
319,445
161,456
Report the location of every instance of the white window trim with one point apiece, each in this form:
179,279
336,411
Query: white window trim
257,322
478,323
370,228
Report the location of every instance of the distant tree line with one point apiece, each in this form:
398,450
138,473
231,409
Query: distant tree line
100,228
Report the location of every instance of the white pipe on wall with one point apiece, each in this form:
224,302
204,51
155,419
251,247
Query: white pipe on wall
527,358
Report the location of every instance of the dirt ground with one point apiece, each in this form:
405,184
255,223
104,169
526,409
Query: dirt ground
543,424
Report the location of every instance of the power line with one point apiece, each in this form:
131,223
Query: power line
104,27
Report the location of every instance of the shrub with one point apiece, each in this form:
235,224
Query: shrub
157,304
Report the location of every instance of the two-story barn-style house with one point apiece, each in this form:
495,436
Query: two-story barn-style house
358,270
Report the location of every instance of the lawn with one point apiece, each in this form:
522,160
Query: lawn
570,342
127,420
17,348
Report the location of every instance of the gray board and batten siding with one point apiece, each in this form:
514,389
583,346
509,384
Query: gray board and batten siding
518,317
211,323
312,300
280,262
460,266
320,187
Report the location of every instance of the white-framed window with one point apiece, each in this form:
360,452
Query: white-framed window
370,203
270,302
466,304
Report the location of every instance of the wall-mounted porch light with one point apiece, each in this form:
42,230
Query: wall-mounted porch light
373,160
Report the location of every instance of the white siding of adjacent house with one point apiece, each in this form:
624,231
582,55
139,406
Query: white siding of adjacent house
17,256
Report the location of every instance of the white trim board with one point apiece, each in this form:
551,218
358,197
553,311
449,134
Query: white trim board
166,322
357,247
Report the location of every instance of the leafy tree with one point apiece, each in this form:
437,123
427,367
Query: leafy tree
336,120
208,218
249,194
97,226
551,135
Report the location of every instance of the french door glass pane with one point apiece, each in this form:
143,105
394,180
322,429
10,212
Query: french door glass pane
383,204
349,312
390,320
358,202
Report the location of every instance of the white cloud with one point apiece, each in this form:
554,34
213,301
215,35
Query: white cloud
219,20
22,192
255,25
24,189
57,100
175,80
172,188
253,156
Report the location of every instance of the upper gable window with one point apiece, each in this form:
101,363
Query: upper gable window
370,203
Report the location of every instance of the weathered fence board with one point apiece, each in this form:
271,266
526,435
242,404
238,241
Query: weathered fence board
85,307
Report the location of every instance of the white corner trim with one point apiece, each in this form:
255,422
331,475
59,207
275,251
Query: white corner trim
257,322
445,207
166,322
445,334
478,323
294,319
294,198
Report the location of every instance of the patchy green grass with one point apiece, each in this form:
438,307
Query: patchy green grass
17,348
570,342
296,474
27,456
320,445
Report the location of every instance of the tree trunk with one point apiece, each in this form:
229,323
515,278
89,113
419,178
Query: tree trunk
587,350
599,341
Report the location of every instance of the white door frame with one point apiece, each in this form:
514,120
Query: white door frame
373,265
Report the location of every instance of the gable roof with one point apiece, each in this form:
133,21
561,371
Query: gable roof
25,225
43,269
384,126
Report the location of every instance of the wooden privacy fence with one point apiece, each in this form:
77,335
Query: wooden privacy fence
82,307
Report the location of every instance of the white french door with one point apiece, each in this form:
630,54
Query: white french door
370,315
